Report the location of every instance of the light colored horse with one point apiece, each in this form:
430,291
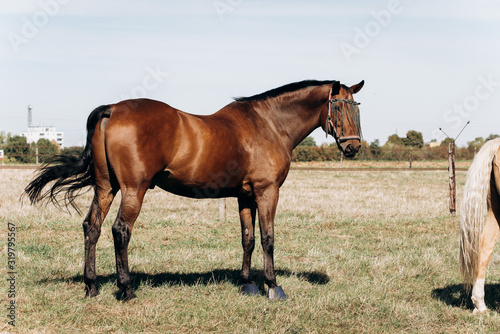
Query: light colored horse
478,235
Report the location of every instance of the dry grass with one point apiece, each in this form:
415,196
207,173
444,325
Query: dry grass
355,252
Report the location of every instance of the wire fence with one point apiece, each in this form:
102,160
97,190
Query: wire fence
366,153
32,153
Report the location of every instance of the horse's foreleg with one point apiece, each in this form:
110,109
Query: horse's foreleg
491,233
247,208
267,200
92,231
122,231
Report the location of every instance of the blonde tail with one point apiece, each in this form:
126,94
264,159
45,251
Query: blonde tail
473,210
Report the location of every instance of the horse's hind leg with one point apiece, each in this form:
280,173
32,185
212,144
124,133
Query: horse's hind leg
247,209
122,231
489,237
104,194
92,231
488,240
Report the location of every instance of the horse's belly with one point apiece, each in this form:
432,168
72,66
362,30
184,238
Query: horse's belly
216,186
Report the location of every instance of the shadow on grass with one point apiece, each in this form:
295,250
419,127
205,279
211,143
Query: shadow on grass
190,279
455,295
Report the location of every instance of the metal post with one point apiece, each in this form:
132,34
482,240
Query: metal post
36,154
451,171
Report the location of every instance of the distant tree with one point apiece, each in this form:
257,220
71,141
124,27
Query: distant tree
395,140
4,137
475,144
46,149
306,153
446,142
413,139
18,148
72,150
375,148
308,141
492,136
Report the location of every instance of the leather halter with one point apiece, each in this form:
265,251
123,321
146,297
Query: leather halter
352,118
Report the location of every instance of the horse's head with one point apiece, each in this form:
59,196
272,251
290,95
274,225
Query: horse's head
342,120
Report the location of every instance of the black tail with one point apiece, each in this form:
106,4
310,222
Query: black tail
70,173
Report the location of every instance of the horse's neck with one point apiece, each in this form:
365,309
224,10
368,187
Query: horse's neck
296,116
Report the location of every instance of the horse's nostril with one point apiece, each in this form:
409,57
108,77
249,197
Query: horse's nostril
349,150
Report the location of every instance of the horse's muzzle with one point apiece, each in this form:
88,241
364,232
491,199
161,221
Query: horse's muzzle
350,147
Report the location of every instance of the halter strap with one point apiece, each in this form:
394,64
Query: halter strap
329,115
353,119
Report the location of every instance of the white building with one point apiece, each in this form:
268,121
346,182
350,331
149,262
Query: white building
47,132
38,132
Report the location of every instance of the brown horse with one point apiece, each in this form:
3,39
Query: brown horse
243,150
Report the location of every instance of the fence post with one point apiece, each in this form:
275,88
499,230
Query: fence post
222,209
411,155
36,154
451,171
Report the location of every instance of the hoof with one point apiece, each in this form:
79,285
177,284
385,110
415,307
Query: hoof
480,311
128,295
276,293
91,292
249,289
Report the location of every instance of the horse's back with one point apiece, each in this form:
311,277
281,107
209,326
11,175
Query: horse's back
150,139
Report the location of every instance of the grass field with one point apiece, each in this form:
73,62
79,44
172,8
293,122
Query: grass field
358,252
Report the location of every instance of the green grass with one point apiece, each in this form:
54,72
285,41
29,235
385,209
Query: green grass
356,252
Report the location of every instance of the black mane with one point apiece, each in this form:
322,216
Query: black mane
283,89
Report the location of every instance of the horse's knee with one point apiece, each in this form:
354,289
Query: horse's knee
91,232
248,244
121,232
268,244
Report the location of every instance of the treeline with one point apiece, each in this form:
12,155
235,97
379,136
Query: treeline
17,150
411,147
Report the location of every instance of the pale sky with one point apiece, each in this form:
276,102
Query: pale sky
426,64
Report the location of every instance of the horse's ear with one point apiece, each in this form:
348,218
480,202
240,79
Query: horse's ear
357,88
335,88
